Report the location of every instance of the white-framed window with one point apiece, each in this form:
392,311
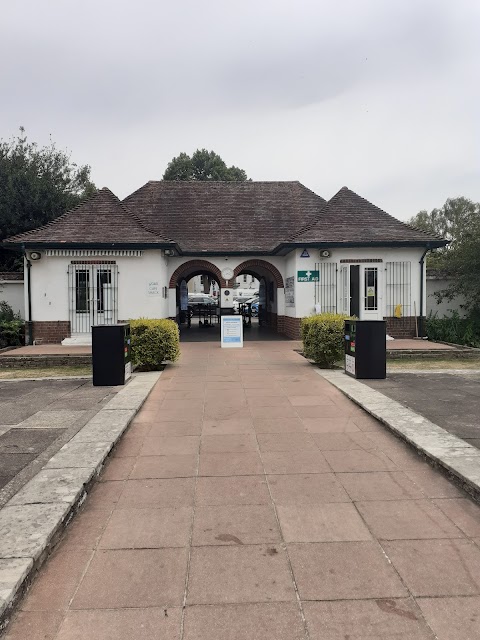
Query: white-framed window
371,289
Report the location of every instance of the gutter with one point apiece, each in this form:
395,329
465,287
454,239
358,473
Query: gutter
29,297
421,323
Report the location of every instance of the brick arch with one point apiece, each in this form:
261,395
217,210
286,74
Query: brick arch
249,265
192,266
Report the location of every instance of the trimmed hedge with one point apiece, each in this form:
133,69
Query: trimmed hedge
464,331
153,342
323,338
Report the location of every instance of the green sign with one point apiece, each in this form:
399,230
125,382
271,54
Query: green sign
308,276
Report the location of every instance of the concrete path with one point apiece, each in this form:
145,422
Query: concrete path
250,500
451,400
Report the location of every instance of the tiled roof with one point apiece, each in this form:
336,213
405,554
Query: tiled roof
348,218
225,216
102,219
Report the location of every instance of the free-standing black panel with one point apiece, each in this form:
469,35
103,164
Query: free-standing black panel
111,356
366,349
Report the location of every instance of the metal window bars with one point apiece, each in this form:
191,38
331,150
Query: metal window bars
398,288
326,287
92,294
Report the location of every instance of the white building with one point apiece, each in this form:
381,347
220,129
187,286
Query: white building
107,260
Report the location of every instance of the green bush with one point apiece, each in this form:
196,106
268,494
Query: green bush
323,338
465,331
12,331
153,342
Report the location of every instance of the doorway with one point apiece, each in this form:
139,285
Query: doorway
361,291
93,295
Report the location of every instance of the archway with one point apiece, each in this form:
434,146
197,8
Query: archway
273,298
195,267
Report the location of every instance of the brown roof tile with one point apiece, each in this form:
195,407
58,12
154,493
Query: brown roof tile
225,216
102,219
348,218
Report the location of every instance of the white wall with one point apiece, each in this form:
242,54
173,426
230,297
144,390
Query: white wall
50,286
445,307
305,291
11,291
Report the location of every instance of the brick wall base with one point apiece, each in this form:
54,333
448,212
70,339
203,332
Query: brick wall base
291,327
50,332
401,327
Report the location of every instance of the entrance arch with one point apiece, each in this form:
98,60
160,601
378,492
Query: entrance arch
195,267
252,267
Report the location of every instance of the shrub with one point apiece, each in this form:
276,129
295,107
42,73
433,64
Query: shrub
12,332
455,329
153,342
323,338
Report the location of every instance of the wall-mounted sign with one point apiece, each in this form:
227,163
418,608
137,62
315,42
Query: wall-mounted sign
232,331
290,291
153,288
304,254
311,275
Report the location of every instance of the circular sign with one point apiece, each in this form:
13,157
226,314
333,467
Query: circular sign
227,273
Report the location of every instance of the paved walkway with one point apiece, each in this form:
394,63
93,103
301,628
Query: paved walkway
250,500
451,400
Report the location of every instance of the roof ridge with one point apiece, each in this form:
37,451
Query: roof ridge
133,215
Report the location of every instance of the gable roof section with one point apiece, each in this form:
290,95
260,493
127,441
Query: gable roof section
102,219
225,216
350,219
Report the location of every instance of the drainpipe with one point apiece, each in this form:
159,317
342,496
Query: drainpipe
29,298
421,327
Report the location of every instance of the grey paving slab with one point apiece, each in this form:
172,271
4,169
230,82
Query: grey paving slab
26,530
54,485
89,455
59,419
106,424
19,440
12,573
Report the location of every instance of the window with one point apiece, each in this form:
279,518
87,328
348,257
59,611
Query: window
399,288
371,289
82,283
201,279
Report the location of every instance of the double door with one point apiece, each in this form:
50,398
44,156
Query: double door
361,292
93,294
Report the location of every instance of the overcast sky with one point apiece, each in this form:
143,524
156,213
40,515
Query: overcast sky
382,96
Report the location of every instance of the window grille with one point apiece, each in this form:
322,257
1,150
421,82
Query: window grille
326,287
399,287
92,294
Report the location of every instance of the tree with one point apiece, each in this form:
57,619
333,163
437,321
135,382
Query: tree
458,221
453,222
37,184
203,165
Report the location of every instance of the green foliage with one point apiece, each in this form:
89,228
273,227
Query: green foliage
153,342
12,332
37,184
465,331
323,338
458,221
203,165
453,222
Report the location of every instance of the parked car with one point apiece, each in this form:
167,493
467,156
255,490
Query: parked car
196,300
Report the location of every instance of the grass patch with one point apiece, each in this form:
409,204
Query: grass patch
50,372
431,365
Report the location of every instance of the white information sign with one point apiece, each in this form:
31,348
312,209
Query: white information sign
232,331
153,288
349,364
